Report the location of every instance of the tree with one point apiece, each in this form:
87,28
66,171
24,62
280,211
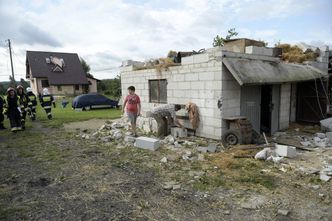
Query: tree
24,83
219,41
110,87
12,82
86,68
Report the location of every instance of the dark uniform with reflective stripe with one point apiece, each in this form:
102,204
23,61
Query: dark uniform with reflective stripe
2,117
24,107
46,102
32,103
11,109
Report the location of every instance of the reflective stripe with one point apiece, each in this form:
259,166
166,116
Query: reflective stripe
48,113
47,107
32,98
46,99
30,103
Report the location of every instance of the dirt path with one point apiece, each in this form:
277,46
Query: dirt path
51,174
92,124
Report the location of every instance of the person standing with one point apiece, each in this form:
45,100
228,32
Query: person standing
165,115
2,117
23,104
32,104
46,101
13,110
132,105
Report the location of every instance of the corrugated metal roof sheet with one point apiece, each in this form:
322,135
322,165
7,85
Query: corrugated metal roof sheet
256,71
72,71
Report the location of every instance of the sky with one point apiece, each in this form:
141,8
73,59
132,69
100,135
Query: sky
107,32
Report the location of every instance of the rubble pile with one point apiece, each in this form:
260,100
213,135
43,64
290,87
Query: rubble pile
189,148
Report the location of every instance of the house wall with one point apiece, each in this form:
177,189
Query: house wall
65,90
285,102
197,80
93,85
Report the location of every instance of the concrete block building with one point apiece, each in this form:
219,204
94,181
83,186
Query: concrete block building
237,80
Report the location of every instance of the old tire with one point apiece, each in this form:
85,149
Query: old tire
231,138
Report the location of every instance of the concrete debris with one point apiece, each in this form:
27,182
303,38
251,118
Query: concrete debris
176,186
187,156
179,132
321,135
147,143
169,139
326,173
168,185
163,160
200,157
202,149
306,143
275,159
262,155
326,125
177,144
129,139
285,151
212,147
118,125
283,212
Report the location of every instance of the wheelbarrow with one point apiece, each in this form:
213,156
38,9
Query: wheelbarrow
239,131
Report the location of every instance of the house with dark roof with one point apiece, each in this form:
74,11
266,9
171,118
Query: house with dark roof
61,73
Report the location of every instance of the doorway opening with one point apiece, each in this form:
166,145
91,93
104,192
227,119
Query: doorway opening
266,105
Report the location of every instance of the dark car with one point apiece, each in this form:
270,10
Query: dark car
93,101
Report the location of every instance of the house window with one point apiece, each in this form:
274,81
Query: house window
77,87
44,83
59,88
158,91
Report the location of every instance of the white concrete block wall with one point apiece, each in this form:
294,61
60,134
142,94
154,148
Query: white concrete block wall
285,100
197,80
231,97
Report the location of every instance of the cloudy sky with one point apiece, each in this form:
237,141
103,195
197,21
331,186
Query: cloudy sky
106,32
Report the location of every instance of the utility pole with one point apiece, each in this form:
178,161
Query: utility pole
11,59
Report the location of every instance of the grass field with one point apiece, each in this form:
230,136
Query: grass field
66,115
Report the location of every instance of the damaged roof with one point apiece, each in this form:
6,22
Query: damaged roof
41,67
256,71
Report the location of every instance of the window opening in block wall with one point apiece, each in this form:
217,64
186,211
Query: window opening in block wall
158,91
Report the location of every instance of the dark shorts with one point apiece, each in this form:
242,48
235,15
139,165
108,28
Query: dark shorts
132,117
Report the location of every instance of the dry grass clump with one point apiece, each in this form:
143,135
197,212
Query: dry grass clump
294,54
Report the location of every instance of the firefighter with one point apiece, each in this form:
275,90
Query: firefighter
2,117
24,104
32,103
46,101
13,110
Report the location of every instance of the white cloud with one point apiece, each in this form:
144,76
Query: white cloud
105,32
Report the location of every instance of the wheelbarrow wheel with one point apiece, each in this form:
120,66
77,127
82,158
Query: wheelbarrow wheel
231,138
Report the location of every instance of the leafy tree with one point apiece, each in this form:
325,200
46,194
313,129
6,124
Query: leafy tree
219,41
24,83
110,87
86,68
2,89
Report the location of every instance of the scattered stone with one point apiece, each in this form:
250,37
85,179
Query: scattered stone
179,132
106,139
200,157
321,195
329,136
297,129
324,177
315,187
212,148
163,160
168,185
177,144
102,127
321,135
326,124
169,139
278,134
283,212
262,155
202,149
285,151
147,143
129,139
305,143
227,212
176,186
117,125
255,202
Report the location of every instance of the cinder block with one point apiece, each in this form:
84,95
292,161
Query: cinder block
179,132
285,151
147,143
